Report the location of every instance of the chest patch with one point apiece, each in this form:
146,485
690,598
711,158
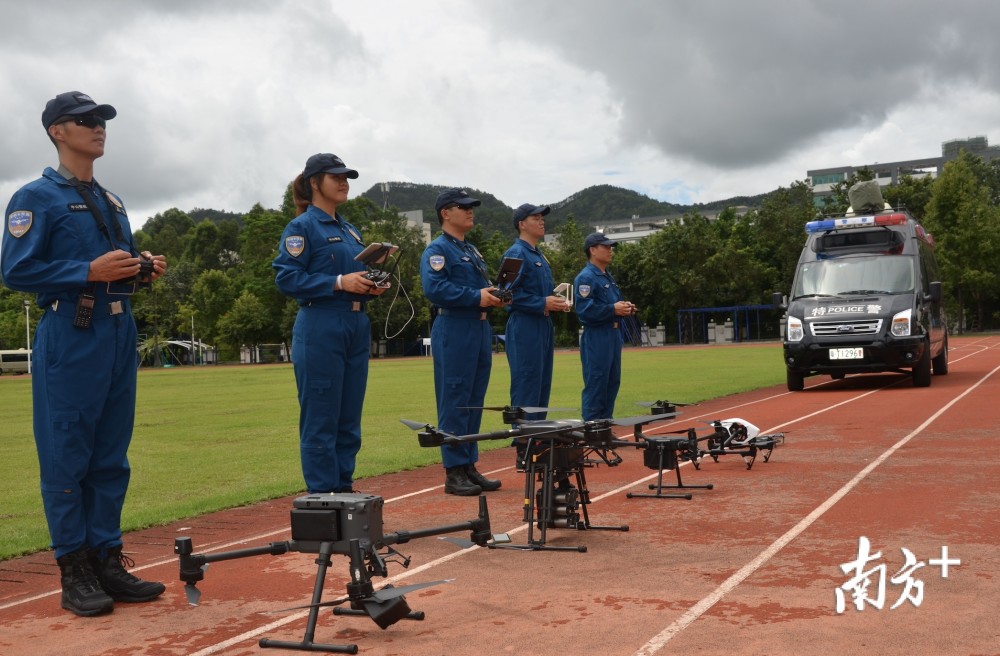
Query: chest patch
19,222
295,244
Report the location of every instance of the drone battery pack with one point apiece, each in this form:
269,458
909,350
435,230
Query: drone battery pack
337,518
661,453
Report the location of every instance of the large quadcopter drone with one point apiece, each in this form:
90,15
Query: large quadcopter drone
557,453
345,524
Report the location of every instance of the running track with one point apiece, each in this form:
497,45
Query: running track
750,567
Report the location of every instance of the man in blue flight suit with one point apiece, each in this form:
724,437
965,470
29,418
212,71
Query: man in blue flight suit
599,305
456,282
68,240
529,338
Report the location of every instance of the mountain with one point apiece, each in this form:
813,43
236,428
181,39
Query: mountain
597,205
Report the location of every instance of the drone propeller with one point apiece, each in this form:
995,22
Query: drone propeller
416,425
512,408
650,404
641,419
381,595
192,593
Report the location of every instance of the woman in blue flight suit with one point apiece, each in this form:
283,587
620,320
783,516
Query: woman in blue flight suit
455,281
529,338
599,305
332,334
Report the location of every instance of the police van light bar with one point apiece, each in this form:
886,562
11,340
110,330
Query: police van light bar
855,222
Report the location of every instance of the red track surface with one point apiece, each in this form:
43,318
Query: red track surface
750,567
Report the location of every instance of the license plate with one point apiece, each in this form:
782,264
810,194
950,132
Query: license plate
857,353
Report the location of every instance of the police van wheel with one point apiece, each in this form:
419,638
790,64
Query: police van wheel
796,381
837,376
922,370
941,361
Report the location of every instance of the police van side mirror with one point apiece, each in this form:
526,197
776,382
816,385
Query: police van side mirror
778,301
935,295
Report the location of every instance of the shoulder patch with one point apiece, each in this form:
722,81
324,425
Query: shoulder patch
115,201
295,244
437,262
19,222
584,291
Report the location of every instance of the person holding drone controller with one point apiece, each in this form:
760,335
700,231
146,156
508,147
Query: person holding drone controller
68,241
454,279
331,339
600,306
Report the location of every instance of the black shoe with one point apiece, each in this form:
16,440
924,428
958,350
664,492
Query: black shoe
118,583
81,592
457,482
487,484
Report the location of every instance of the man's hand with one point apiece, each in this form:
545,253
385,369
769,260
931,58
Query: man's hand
624,309
486,299
557,304
159,263
116,265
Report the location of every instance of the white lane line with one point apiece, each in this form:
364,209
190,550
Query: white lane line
700,608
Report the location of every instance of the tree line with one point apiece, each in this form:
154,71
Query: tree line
220,277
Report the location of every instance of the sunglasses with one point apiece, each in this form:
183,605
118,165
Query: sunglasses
468,208
90,121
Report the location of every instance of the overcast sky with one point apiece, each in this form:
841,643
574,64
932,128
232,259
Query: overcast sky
220,103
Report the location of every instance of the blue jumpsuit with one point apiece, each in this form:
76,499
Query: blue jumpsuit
83,379
452,272
601,344
330,344
530,336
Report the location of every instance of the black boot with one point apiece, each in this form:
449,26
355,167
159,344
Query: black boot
118,583
487,484
81,592
457,482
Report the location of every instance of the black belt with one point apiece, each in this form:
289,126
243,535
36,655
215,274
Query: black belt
344,306
481,315
612,325
101,310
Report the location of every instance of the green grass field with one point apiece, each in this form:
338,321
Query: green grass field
208,438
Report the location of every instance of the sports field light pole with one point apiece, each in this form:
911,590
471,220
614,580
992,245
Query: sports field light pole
27,329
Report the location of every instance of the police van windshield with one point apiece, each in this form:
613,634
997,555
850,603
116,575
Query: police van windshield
855,275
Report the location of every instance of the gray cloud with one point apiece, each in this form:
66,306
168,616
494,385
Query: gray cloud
736,84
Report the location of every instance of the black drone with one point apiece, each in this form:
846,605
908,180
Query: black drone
344,524
555,454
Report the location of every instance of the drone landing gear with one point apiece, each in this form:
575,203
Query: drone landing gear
323,562
661,454
556,502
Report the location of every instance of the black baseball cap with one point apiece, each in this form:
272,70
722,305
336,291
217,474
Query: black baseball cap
457,197
327,163
526,210
596,239
74,103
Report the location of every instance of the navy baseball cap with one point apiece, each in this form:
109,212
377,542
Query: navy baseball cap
456,196
74,103
596,239
526,210
327,163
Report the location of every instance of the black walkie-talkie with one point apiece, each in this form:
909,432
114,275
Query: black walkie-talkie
84,315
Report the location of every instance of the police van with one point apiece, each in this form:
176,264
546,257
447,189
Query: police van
14,362
866,297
